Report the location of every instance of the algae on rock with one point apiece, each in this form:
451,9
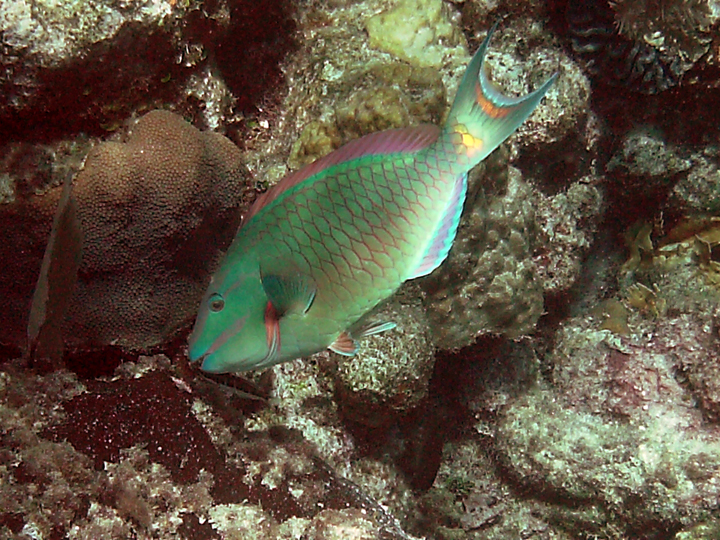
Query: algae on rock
417,31
391,372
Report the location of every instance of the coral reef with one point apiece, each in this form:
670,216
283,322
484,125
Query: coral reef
696,194
71,75
568,223
646,154
488,282
629,413
592,410
156,211
86,66
470,502
512,249
563,114
418,32
129,456
677,28
39,45
609,434
382,97
618,426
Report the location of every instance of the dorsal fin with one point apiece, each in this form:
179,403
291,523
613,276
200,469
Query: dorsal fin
444,234
392,141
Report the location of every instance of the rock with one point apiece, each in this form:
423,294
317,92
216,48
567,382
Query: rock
391,372
488,283
696,194
647,155
562,113
155,451
86,66
341,524
617,424
417,31
568,222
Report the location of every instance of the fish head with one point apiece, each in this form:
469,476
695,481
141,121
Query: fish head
230,333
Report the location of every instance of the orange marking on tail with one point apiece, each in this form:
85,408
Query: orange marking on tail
488,108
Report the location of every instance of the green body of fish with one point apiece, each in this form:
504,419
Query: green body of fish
328,243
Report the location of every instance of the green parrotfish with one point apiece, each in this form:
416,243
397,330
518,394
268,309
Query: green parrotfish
323,247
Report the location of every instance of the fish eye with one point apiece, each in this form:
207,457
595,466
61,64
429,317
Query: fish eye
216,302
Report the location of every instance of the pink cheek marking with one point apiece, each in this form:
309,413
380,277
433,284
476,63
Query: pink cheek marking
272,329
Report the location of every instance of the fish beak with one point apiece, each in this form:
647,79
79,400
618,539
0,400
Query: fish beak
210,364
194,353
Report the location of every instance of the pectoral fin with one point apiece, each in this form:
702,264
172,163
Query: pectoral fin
290,292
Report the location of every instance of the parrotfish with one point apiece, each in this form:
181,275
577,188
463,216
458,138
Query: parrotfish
318,251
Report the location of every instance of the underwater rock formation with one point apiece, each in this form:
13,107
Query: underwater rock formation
646,46
647,155
386,96
630,412
617,427
134,456
391,371
613,432
697,193
75,67
488,283
419,32
568,223
513,247
43,53
571,430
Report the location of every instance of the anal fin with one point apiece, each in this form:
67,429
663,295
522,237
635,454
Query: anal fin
444,234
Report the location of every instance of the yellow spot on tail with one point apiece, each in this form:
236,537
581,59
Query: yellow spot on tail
471,143
489,108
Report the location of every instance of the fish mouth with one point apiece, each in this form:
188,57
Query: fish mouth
204,359
193,352
210,364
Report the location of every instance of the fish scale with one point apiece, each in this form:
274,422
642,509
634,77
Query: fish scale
328,243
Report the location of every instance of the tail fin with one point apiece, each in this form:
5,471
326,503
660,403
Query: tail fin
482,114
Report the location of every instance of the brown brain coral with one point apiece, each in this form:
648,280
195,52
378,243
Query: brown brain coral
155,211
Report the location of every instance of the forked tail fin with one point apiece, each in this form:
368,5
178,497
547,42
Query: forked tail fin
481,115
